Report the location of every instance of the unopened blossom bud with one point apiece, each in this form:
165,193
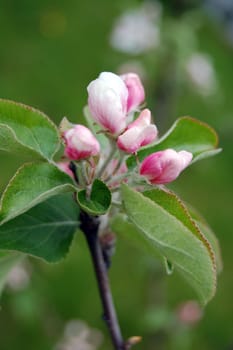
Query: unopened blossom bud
139,133
136,93
107,101
65,167
80,143
165,166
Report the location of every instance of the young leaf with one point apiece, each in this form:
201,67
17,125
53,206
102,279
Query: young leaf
45,231
190,218
10,143
122,225
168,266
24,129
209,234
186,134
167,227
7,261
32,184
99,201
173,205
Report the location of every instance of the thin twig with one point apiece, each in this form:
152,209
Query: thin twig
89,226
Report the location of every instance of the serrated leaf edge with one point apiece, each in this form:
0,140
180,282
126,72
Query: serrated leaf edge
205,243
198,234
42,114
197,121
35,200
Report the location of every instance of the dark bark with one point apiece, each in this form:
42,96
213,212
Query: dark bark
89,226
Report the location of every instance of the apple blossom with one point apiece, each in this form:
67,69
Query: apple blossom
80,143
136,93
107,101
105,193
64,166
164,166
138,133
137,30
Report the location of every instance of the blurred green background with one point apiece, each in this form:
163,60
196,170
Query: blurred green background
50,51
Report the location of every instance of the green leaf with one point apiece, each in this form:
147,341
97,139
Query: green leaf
190,218
7,261
166,226
32,184
186,134
10,143
209,234
27,131
99,201
46,231
121,225
168,266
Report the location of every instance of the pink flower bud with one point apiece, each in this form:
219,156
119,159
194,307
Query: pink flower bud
136,93
107,100
139,133
64,166
165,166
80,143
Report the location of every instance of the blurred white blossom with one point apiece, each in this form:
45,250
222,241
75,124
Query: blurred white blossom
137,30
201,72
78,336
18,278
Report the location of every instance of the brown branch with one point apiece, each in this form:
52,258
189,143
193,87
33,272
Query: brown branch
89,226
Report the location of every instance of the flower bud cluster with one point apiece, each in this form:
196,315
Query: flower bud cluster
113,102
80,143
112,99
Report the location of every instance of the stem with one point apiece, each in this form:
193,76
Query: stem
118,178
118,166
108,159
89,226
